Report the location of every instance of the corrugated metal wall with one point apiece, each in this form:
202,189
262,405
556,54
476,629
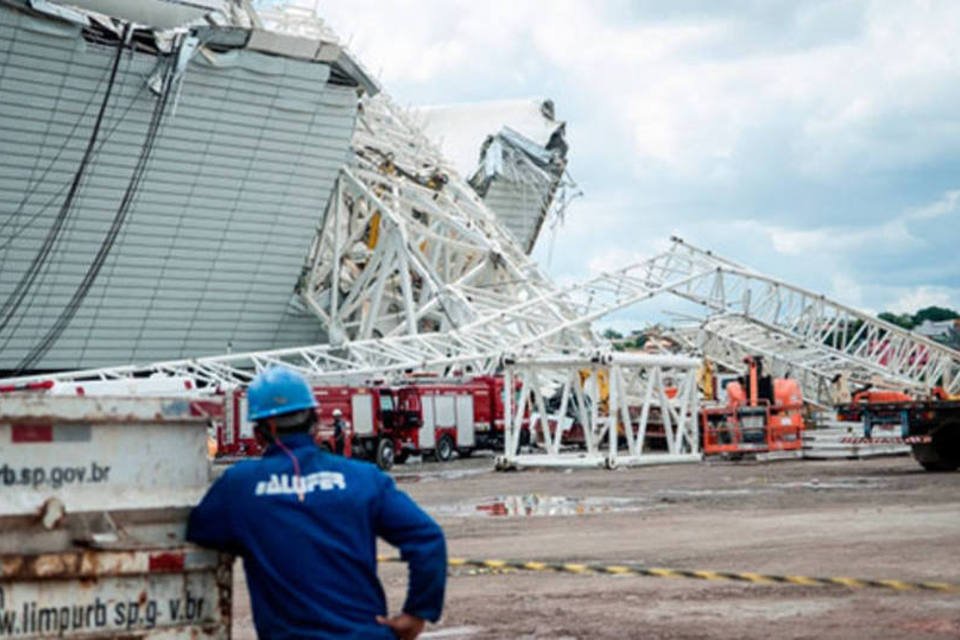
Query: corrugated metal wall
519,207
211,251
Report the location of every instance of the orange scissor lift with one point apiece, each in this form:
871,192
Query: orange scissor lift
761,415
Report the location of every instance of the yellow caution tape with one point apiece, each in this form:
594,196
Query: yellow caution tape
660,572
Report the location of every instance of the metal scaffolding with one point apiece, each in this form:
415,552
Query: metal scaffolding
406,246
802,333
606,410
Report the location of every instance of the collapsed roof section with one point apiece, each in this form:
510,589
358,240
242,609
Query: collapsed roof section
521,174
159,187
226,24
407,247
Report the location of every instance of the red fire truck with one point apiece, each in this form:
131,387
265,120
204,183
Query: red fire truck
387,423
460,415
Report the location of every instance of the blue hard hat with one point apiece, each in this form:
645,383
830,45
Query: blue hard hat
277,391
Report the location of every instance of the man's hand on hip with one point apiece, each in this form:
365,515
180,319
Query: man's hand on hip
404,625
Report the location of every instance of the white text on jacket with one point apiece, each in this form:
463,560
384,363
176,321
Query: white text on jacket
283,484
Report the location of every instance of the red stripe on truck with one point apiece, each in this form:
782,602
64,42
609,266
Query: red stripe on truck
24,433
43,385
166,562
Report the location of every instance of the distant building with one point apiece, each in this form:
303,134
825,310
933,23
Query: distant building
944,331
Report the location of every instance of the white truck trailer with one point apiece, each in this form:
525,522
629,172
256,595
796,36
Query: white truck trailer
94,497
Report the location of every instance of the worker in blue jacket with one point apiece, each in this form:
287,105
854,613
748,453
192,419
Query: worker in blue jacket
306,523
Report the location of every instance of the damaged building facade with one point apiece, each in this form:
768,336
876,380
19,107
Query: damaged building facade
167,191
160,190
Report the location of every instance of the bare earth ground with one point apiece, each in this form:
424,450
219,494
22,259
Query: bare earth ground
879,518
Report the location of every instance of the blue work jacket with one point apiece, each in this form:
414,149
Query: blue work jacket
311,565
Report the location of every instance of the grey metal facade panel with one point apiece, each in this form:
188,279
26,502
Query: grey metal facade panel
215,241
518,206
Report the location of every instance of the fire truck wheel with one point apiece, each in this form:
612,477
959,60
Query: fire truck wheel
401,457
385,454
445,448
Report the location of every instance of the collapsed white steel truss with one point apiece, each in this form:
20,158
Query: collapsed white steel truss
550,321
406,246
810,337
610,401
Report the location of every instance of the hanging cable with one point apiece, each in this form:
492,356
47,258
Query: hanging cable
69,311
33,185
14,300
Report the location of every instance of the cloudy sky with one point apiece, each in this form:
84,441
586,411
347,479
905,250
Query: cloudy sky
818,141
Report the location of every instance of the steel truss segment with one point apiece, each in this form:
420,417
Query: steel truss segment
799,332
444,239
598,410
808,322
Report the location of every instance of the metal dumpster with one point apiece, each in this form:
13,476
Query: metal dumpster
94,497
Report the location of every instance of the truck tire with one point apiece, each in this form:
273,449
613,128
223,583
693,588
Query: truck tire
445,449
939,466
385,454
936,456
401,457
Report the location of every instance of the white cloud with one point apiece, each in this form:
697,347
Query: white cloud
891,237
609,261
693,93
846,288
949,203
893,234
791,137
920,297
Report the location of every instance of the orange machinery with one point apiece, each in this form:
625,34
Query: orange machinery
761,415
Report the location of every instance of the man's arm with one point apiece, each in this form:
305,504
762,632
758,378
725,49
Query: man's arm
406,526
211,523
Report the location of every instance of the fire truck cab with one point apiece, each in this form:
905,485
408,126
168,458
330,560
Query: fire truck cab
460,415
377,426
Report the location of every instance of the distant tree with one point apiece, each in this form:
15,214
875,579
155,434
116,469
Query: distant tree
904,320
612,334
910,321
934,314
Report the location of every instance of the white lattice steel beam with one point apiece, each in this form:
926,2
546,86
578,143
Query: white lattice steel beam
406,246
535,325
612,399
753,314
813,332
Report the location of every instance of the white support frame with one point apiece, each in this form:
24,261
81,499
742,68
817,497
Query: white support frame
637,384
810,336
405,245
800,332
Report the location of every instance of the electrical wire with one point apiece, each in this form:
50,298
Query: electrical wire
33,185
69,311
15,327
46,205
15,299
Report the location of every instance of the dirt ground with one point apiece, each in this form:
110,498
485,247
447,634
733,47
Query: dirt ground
878,518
